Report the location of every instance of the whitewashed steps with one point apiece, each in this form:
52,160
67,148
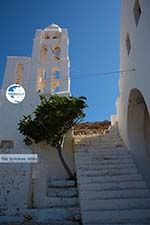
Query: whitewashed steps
117,194
102,172
51,222
98,150
111,189
5,220
115,204
104,161
63,202
117,216
111,166
126,223
62,192
106,178
62,207
113,186
54,213
61,183
56,222
44,215
104,155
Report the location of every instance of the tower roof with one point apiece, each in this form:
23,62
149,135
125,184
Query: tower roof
53,26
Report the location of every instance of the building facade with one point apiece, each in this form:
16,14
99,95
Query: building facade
133,103
45,72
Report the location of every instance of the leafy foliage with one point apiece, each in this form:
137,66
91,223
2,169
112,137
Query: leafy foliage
52,118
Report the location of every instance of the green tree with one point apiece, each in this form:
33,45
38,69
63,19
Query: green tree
50,121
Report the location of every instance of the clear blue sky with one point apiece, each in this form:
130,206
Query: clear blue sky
94,29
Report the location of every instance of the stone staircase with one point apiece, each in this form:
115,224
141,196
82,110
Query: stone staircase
63,195
111,189
62,208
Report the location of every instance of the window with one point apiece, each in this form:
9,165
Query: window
55,81
56,52
128,43
137,11
46,35
56,35
43,53
40,80
55,84
57,75
7,144
19,73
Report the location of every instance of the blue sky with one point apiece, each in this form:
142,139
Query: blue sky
94,30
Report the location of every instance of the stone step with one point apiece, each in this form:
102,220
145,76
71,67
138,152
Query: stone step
101,145
56,222
11,220
143,223
42,216
80,146
52,222
104,161
115,204
98,148
96,141
110,166
111,172
102,139
62,202
111,138
46,215
62,192
103,153
16,221
106,178
101,158
113,186
117,216
61,183
114,194
126,223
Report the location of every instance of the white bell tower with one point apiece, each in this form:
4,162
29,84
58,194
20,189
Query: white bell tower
50,56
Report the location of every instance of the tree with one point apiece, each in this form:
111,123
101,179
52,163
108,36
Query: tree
50,121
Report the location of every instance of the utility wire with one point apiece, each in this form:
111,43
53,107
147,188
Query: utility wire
88,75
85,75
82,76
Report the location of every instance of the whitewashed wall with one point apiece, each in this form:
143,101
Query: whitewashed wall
139,79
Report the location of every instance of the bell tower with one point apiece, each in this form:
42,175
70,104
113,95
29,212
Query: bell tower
51,61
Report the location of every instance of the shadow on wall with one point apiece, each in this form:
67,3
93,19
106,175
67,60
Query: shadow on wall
139,132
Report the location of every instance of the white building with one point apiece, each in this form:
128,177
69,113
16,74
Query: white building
133,103
47,72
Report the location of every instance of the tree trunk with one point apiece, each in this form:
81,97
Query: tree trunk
66,167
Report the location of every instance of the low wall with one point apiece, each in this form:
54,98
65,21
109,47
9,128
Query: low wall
15,187
24,185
